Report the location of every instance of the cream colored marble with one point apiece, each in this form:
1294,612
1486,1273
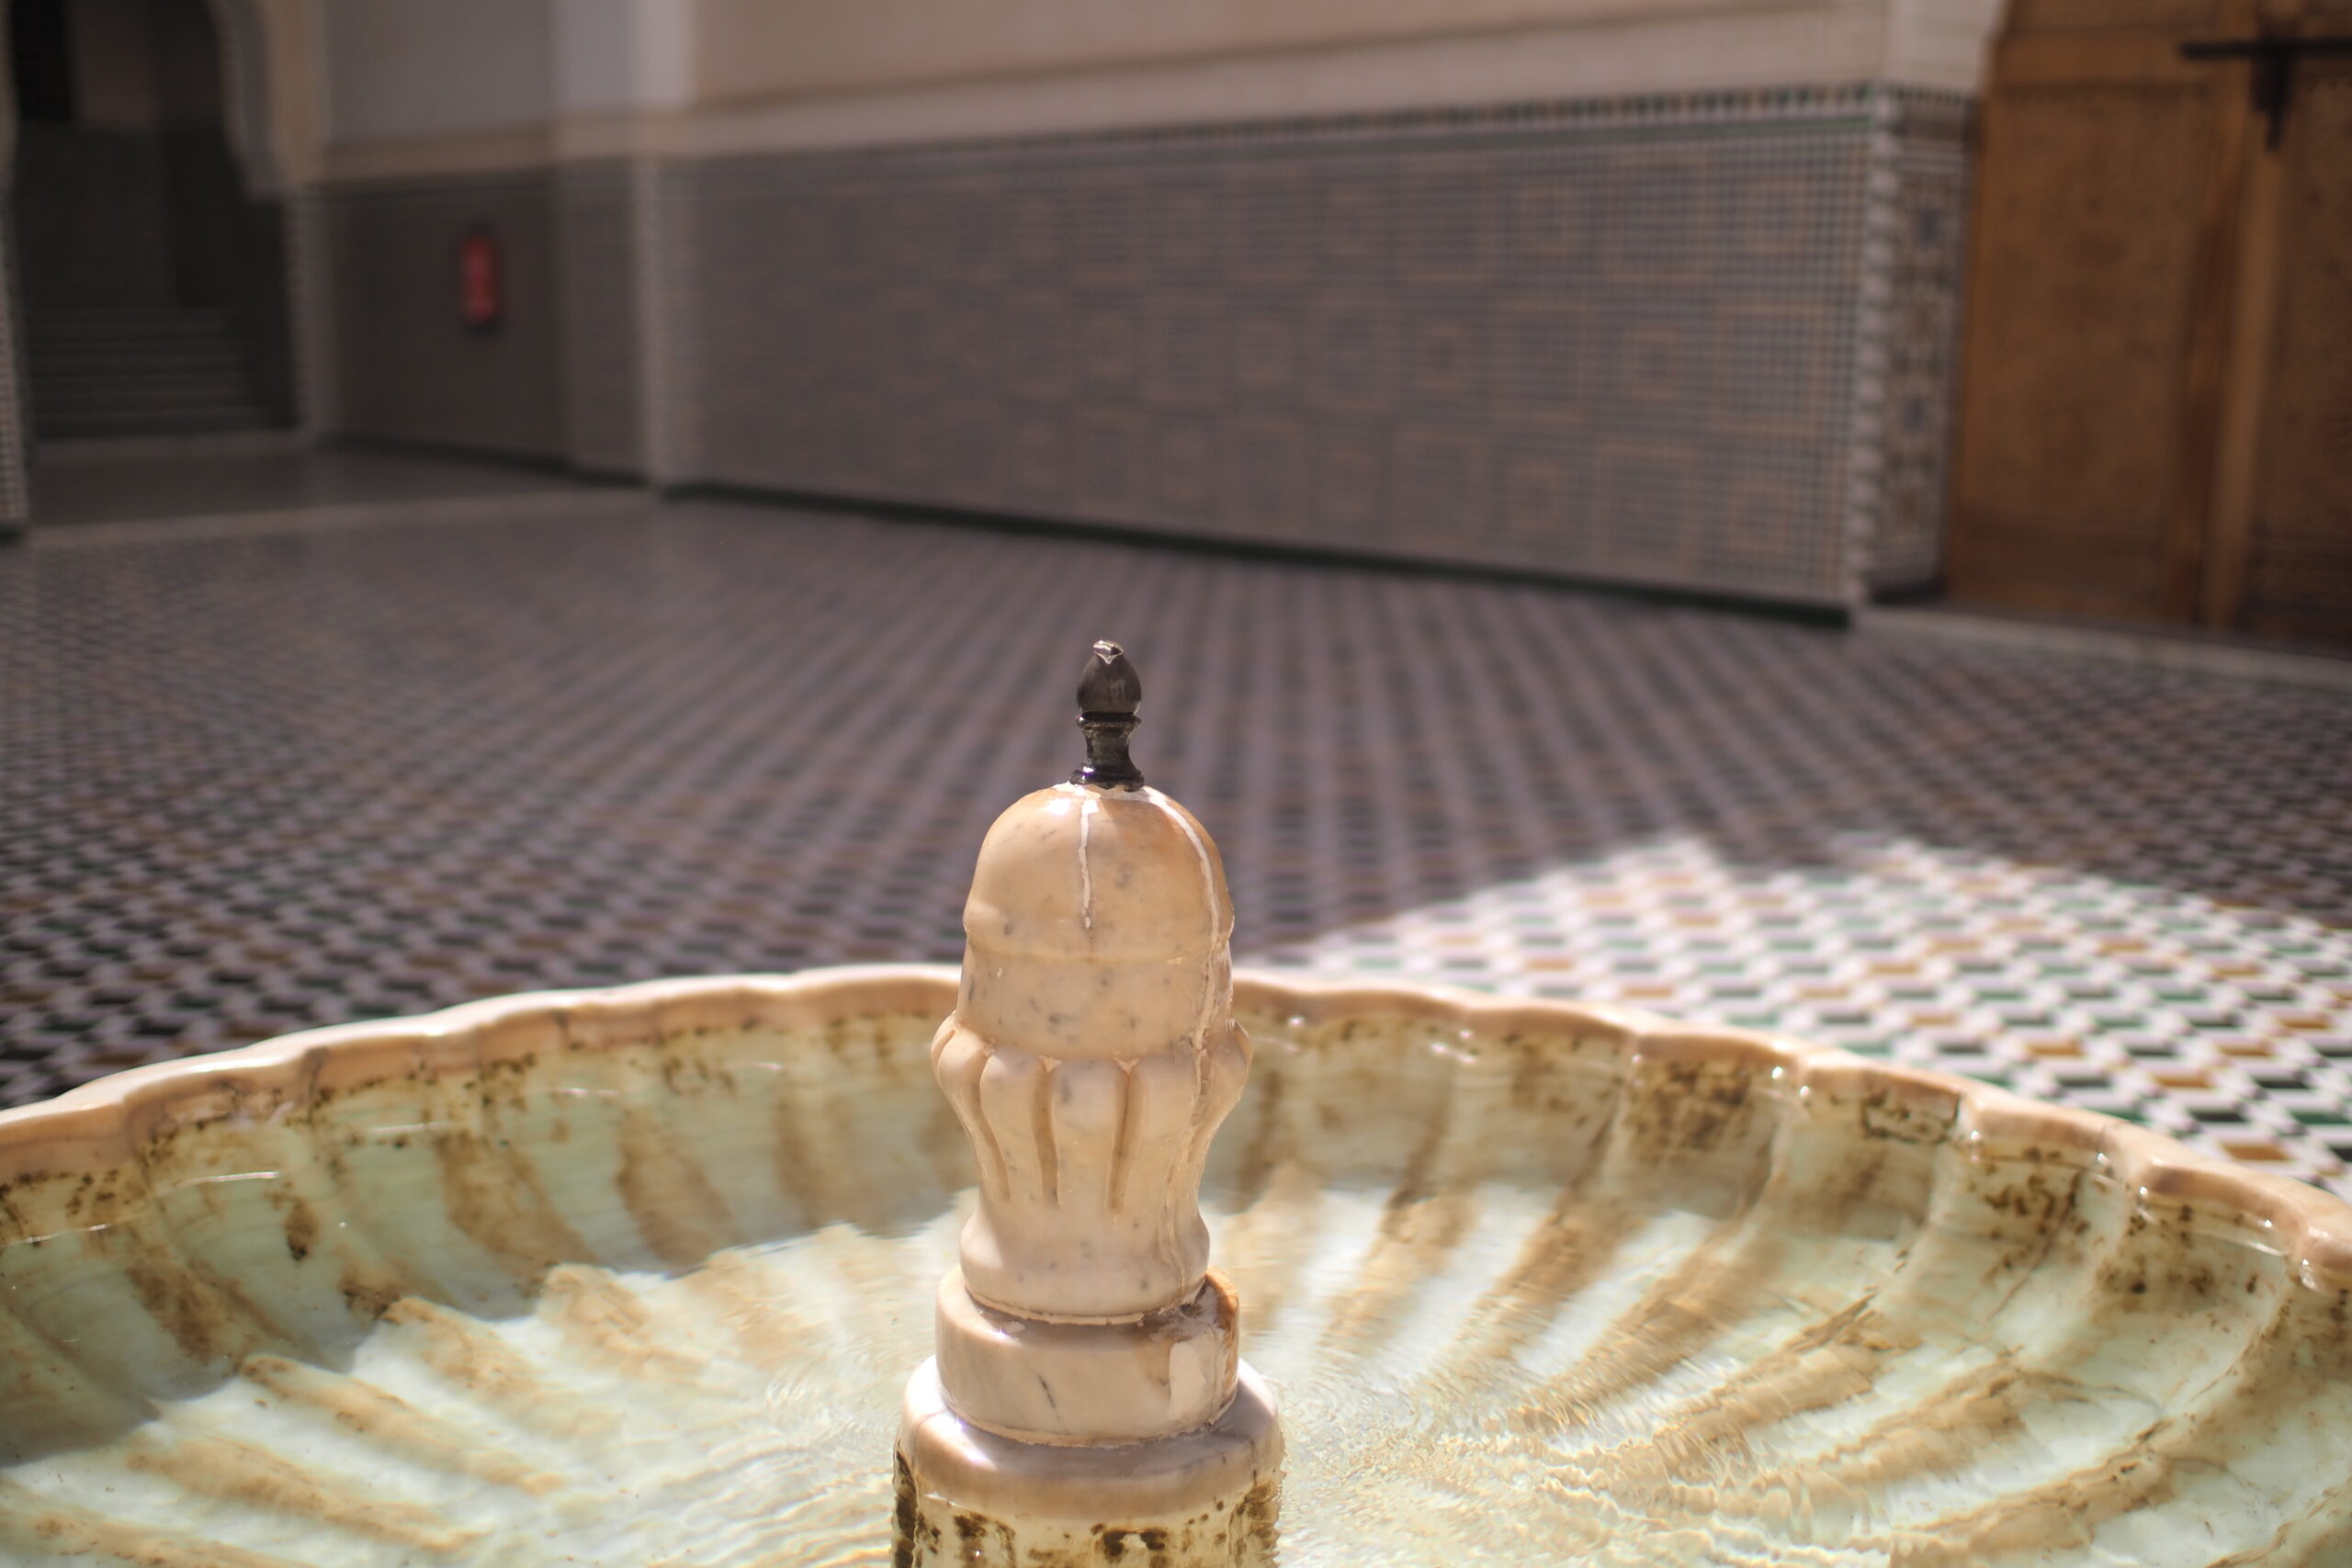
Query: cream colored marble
1088,1366
1092,1051
1169,1371
1213,1492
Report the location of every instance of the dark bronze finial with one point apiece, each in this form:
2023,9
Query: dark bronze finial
1107,697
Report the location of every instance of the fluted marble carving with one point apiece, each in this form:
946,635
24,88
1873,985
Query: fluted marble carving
1088,1371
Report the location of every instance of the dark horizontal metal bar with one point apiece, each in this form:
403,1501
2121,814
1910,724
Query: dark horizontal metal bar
2252,48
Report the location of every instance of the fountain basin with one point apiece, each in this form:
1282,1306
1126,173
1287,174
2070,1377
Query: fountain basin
637,1276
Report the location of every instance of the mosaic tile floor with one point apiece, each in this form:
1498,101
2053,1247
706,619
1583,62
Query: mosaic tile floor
258,778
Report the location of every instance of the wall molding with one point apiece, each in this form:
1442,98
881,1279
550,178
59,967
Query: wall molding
515,151
1672,53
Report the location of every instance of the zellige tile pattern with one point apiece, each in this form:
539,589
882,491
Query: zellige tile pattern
1701,341
258,779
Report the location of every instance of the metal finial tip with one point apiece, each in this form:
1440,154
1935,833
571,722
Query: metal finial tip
1108,693
1110,685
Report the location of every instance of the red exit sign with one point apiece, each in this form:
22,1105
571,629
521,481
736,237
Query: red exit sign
481,280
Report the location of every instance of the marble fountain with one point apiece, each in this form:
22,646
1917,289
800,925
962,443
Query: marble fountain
1131,1261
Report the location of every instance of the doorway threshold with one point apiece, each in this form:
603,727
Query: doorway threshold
2204,653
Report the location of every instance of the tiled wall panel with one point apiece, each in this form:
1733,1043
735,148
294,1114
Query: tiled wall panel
1614,345
1699,343
406,365
602,340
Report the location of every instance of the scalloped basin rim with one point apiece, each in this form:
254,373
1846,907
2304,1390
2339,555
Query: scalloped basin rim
637,1275
104,1123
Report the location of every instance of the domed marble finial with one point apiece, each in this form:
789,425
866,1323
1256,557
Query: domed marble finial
1089,1377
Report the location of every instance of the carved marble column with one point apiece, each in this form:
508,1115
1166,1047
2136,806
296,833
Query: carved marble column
1088,1385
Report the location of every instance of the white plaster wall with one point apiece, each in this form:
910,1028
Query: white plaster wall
273,89
751,48
114,64
615,55
1665,47
1942,43
426,86
770,51
400,69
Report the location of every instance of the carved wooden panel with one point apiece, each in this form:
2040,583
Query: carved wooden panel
2298,580
2093,253
2050,16
2157,408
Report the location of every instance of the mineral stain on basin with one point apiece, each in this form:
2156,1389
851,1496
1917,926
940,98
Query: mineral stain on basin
530,1281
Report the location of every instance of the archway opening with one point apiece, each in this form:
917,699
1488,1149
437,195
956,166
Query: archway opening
153,283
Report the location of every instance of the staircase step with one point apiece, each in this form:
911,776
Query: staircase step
234,369
139,370
184,343
208,370
106,318
39,338
111,349
95,374
159,403
147,390
243,416
56,347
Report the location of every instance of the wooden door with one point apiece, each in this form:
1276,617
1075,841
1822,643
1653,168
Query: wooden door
2156,400
2285,570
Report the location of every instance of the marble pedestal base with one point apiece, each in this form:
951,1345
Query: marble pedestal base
1201,1499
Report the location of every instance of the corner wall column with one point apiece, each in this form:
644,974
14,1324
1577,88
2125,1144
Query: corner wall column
317,407
16,411
621,67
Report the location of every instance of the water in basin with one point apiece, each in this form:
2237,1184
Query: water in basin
595,1292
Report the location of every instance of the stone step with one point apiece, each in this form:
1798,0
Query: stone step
60,340
240,416
139,370
84,378
75,317
64,359
185,393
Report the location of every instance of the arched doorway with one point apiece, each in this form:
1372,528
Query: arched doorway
153,280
